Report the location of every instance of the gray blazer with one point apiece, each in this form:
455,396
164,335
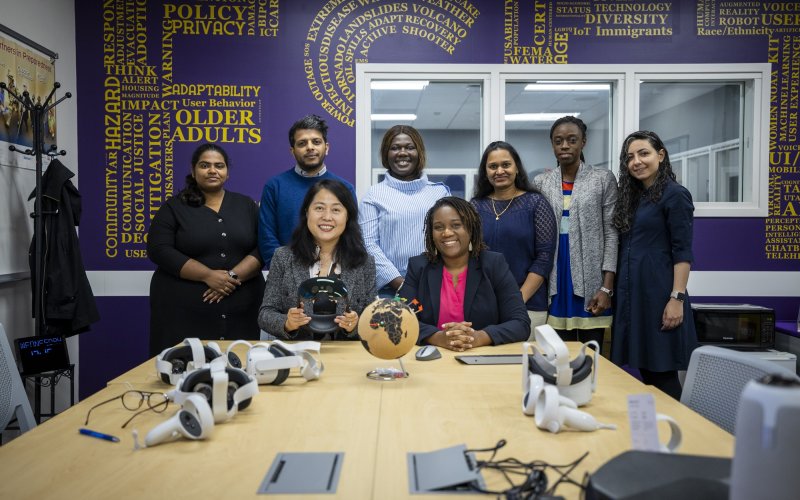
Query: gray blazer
285,276
593,239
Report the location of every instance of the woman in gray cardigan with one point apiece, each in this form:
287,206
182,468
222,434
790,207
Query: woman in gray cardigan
583,198
326,242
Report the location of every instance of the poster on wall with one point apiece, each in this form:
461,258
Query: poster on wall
158,78
23,69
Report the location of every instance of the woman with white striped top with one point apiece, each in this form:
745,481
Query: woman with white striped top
392,213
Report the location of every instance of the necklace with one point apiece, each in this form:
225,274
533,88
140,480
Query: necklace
494,209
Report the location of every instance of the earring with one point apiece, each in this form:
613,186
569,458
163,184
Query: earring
435,251
470,246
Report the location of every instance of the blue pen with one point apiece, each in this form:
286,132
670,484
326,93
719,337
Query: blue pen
99,435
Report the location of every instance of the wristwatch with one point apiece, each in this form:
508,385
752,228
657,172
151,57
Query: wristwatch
609,292
233,274
679,296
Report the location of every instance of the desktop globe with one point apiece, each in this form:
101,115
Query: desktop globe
388,328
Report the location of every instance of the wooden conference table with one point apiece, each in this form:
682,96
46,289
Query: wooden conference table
443,403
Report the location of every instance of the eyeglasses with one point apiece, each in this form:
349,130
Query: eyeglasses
132,400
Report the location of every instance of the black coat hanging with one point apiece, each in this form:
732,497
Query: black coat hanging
68,305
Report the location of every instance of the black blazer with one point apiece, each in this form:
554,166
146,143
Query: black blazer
492,300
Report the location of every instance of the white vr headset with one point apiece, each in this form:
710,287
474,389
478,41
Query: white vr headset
270,362
226,389
553,386
549,357
176,361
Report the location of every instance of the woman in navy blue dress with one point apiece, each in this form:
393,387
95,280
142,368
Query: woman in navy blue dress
653,327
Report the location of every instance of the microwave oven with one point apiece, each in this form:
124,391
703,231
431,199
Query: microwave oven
743,326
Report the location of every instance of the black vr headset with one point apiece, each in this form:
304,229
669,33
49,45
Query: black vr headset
227,389
324,293
191,355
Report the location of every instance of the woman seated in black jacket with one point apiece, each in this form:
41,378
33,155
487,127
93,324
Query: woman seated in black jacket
468,295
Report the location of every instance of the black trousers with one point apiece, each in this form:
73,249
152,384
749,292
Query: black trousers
666,381
582,335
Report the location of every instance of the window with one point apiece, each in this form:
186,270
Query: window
712,118
448,116
531,107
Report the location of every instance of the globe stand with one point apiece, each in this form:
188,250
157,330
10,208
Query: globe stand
388,374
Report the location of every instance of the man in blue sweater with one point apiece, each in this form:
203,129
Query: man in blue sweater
283,195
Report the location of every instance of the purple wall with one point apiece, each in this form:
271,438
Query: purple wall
132,138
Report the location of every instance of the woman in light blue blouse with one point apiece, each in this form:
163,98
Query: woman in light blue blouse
392,213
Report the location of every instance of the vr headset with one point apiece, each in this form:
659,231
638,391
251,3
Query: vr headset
324,294
174,362
553,386
576,379
271,362
227,389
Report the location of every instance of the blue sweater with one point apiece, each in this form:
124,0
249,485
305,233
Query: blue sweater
279,212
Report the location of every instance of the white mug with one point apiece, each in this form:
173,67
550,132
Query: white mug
675,437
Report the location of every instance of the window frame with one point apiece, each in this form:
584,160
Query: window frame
626,80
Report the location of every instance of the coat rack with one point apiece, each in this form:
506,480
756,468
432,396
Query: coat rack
38,113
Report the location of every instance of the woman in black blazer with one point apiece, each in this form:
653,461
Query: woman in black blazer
469,297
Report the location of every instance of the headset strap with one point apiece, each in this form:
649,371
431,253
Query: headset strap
312,369
234,344
198,354
219,391
526,350
552,346
280,363
596,349
245,392
165,367
308,345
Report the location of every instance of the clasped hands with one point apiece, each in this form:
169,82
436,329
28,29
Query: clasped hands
459,336
297,317
220,285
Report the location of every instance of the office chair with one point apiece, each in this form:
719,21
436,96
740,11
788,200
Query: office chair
716,378
13,399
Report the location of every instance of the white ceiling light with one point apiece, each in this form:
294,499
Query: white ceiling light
384,117
398,84
537,117
566,87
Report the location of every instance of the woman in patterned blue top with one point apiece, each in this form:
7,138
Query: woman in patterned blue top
517,222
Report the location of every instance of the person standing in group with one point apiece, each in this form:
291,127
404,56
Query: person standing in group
653,327
327,242
517,222
392,212
582,198
468,295
208,283
282,195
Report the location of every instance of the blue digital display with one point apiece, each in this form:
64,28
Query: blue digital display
42,354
